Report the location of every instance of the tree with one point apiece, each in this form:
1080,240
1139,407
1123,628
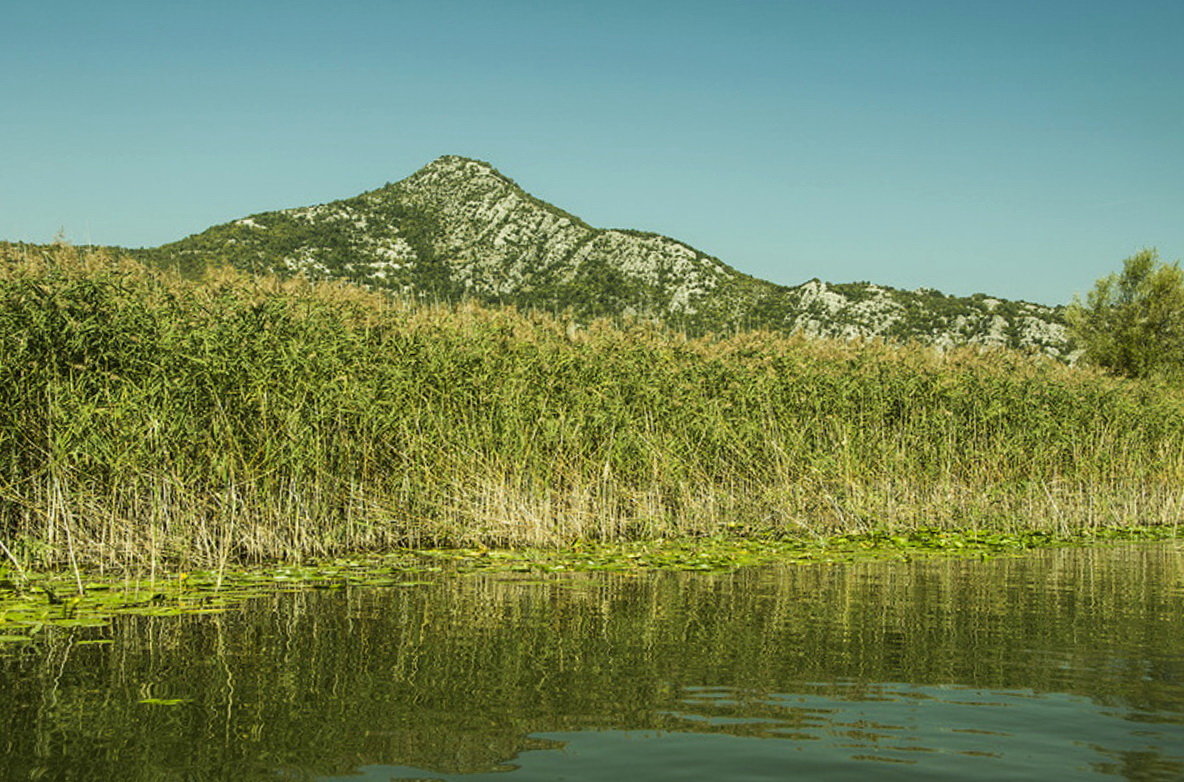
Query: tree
1132,323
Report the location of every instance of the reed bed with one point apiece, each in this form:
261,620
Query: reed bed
147,419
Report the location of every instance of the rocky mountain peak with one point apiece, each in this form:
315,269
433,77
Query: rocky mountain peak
454,170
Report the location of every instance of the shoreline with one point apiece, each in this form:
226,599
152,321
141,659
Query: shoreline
34,603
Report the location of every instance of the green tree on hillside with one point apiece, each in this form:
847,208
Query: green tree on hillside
1132,322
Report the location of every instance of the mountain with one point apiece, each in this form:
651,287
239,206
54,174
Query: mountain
458,228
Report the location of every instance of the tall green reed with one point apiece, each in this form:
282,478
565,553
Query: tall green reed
145,419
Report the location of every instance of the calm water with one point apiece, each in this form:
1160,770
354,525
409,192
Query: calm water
1064,664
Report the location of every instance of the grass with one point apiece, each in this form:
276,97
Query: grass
150,422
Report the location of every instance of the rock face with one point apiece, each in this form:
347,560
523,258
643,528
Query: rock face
458,228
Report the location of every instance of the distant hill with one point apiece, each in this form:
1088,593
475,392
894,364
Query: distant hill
458,228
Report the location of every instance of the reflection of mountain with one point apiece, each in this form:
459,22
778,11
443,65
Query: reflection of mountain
458,228
455,676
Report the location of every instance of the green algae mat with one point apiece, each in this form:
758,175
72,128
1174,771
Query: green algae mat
31,603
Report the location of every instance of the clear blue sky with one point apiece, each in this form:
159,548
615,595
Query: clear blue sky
1017,148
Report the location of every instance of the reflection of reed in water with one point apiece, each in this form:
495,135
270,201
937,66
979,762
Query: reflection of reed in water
455,675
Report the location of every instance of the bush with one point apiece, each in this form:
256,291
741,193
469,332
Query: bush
1132,323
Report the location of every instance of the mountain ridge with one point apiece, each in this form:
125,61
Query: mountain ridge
459,228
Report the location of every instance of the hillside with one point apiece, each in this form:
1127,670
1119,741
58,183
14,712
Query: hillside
458,228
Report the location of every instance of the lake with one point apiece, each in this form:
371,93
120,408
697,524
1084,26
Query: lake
1060,664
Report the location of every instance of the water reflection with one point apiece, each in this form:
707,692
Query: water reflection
1066,662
